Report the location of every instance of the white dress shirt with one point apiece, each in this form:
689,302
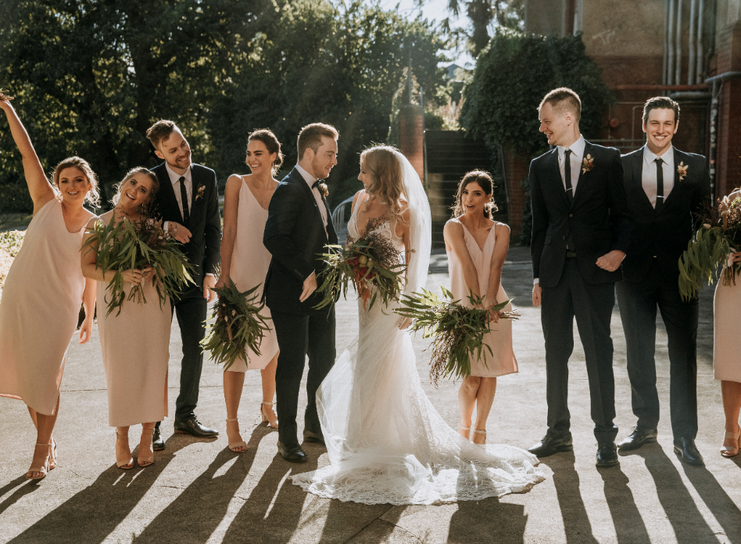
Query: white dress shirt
648,175
577,154
309,179
175,180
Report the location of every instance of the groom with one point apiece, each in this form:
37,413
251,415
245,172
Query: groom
298,227
188,202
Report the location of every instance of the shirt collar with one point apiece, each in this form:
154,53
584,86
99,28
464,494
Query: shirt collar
175,177
577,148
649,156
308,178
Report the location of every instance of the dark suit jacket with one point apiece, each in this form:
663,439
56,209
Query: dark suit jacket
597,219
204,223
664,234
294,235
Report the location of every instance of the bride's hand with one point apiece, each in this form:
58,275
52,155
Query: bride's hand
404,322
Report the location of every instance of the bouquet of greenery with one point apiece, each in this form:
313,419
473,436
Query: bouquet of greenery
458,331
238,325
718,236
373,265
129,245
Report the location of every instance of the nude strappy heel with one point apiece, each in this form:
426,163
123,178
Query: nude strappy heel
483,439
235,447
43,470
466,430
123,465
149,460
728,451
274,422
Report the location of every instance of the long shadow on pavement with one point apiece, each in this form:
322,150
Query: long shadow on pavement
196,513
717,500
629,525
573,512
32,485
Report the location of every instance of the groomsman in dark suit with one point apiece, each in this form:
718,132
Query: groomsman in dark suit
665,187
580,235
188,202
299,226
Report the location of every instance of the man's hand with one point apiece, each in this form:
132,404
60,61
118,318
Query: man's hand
611,261
537,293
209,282
309,287
179,232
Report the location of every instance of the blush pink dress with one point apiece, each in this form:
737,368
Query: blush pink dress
726,328
502,360
136,350
40,305
250,262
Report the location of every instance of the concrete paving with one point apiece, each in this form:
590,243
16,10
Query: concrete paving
199,492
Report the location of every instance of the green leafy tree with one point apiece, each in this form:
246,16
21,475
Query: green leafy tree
486,13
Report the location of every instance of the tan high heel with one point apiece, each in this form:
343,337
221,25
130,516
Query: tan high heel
465,430
727,451
237,447
123,465
483,440
149,460
271,423
42,470
52,454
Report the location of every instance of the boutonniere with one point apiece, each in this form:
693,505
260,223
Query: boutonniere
324,189
200,191
682,170
587,164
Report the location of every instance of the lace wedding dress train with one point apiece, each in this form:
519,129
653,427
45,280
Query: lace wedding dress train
385,440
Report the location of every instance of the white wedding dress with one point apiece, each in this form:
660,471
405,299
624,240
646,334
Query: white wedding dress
386,442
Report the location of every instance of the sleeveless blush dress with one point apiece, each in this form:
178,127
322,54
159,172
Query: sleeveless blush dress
250,262
39,309
501,360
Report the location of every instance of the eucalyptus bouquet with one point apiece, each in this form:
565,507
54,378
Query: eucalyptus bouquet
458,331
372,264
129,245
238,325
718,236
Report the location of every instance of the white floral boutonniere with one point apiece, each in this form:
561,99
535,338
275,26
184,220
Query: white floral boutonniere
587,164
200,191
324,189
682,170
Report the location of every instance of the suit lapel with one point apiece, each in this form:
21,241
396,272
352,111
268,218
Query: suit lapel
198,197
552,166
637,179
583,176
167,194
298,178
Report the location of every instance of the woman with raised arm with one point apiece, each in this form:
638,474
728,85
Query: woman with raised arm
477,247
245,261
43,291
136,340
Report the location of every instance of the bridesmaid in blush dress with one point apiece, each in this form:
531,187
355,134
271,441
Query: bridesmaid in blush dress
477,247
43,291
245,260
135,341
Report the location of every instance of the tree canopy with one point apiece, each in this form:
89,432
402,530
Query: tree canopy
90,76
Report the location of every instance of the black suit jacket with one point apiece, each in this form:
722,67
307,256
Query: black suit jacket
597,219
294,235
204,223
662,234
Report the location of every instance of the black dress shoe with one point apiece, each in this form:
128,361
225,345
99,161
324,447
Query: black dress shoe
607,455
193,427
315,438
157,443
550,445
638,438
294,454
687,451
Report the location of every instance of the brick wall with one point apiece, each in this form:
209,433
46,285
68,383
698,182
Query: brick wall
411,137
516,166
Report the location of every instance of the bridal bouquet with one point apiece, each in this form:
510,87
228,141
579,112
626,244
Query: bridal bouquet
129,245
373,265
458,331
718,236
238,325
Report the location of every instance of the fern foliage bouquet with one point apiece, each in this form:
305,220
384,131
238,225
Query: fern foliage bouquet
372,264
237,325
718,235
135,245
458,330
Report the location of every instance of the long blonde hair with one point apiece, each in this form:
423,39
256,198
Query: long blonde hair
385,171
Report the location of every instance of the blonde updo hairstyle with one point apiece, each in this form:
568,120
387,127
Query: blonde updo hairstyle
93,196
485,181
146,207
381,164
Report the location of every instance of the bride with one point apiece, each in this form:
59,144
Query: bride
386,442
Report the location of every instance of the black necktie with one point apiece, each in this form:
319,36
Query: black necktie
184,200
659,184
567,174
316,184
